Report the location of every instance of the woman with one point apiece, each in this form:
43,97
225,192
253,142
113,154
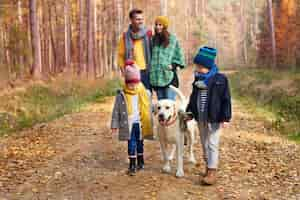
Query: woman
167,56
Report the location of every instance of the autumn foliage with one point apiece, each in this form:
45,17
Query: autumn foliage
287,31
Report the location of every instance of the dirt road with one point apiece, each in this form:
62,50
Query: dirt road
76,157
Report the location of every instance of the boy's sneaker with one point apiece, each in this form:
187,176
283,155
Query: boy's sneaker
211,177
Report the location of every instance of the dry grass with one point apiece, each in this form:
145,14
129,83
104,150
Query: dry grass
41,101
274,91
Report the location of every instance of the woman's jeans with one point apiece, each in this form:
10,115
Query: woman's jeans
165,93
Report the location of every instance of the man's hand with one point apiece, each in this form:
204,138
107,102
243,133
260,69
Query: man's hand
188,116
114,130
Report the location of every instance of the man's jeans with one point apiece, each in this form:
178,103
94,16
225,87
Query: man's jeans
145,78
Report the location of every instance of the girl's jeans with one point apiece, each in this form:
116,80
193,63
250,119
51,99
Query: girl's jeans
135,144
210,137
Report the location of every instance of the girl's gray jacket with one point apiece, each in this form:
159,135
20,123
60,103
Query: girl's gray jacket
120,118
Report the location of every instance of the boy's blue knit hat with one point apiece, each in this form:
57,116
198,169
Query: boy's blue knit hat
206,57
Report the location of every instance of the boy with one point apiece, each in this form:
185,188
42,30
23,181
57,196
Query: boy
210,105
132,116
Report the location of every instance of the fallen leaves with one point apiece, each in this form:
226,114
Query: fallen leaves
22,153
250,168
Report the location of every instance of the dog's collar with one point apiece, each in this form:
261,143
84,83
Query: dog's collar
171,121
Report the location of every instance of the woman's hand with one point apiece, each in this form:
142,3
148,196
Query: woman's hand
114,130
170,67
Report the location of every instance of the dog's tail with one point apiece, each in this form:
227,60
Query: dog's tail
182,98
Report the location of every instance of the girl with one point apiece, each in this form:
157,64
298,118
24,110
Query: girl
132,116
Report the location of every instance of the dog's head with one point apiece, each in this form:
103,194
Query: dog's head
165,110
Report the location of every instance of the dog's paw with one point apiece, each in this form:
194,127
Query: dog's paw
166,169
192,160
179,173
170,158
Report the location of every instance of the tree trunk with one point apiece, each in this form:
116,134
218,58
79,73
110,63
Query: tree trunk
81,38
96,42
2,41
8,61
196,7
130,5
90,26
21,43
114,36
254,26
59,48
35,40
53,48
67,33
203,10
44,38
272,32
119,16
50,56
102,42
243,31
187,31
20,12
298,35
105,53
164,7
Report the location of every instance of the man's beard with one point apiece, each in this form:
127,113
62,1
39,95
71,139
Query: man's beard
140,26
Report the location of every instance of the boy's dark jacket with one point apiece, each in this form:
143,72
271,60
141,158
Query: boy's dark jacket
219,100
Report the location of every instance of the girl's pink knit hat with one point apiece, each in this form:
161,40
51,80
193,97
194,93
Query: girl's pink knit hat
132,73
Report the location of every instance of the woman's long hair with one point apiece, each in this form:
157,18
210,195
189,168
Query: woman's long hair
162,38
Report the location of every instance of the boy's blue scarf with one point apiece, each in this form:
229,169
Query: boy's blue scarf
205,77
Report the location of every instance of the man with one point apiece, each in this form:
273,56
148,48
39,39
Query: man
135,45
